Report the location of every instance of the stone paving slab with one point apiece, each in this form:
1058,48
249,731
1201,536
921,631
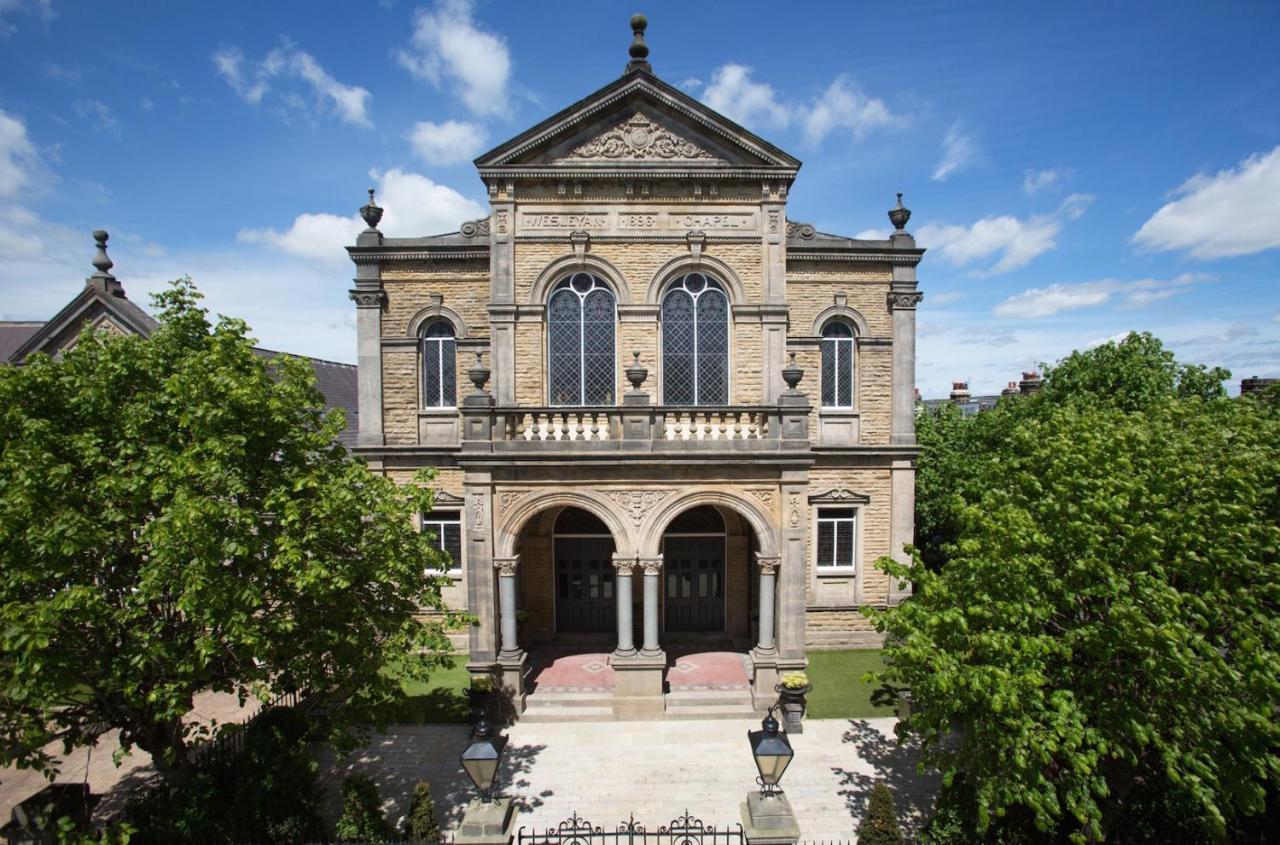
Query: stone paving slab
608,771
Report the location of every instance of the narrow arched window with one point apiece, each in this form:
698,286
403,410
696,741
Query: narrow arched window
439,366
580,342
695,342
837,365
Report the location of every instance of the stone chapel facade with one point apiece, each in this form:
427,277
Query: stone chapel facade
661,411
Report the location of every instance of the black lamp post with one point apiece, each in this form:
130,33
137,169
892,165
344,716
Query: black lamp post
772,752
482,757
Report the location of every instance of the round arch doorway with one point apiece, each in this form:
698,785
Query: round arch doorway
693,559
584,574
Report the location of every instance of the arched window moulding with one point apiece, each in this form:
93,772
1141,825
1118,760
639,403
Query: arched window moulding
567,265
437,311
682,265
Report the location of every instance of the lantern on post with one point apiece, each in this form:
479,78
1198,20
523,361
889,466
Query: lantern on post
772,752
482,757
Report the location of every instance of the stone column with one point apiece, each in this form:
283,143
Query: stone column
652,567
369,303
626,639
506,568
637,678
768,576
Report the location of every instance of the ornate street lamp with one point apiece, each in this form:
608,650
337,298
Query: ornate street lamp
772,752
482,757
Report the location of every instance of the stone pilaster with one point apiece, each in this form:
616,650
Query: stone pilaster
502,290
902,522
480,574
773,238
902,301
791,569
369,298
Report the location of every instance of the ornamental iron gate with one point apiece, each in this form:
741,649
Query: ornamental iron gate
685,830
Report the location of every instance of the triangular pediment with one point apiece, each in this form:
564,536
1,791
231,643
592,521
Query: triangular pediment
104,311
637,122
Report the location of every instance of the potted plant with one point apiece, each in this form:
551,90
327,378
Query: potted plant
792,692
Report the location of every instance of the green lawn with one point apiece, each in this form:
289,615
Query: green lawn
442,698
838,690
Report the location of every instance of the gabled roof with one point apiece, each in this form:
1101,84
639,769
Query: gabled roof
638,125
94,303
14,333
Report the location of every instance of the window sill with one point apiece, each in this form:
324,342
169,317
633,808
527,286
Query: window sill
845,572
838,412
438,412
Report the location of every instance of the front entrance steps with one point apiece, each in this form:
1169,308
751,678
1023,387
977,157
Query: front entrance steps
553,705
710,704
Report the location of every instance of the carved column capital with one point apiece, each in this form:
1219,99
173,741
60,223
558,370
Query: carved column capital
650,565
768,563
507,566
368,298
904,299
624,564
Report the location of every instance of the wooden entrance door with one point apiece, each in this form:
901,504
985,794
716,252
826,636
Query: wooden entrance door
694,582
585,601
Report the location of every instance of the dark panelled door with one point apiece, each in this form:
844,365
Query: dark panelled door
584,584
695,583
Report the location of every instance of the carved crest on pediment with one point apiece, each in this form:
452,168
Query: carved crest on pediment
640,139
447,499
841,495
637,503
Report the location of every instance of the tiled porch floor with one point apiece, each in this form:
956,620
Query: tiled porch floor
591,672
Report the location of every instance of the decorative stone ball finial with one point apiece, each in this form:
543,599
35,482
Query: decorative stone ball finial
639,50
479,374
792,373
101,262
636,374
899,215
372,213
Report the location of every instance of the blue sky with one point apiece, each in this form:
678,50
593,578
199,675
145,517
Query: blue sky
1077,170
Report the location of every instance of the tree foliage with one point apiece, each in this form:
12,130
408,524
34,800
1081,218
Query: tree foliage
362,818
879,824
421,824
1100,617
176,516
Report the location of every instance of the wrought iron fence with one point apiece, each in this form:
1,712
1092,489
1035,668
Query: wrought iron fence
684,830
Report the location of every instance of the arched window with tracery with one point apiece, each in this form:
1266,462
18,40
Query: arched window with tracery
581,317
837,365
695,342
439,365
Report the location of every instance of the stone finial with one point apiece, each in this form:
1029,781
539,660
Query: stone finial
899,215
372,213
792,373
102,279
479,373
639,50
636,374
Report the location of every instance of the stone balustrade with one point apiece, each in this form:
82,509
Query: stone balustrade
543,424
715,423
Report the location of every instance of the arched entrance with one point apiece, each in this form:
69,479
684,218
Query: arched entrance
693,553
585,579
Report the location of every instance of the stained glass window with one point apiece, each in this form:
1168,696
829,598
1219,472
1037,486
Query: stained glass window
695,342
837,365
581,362
439,366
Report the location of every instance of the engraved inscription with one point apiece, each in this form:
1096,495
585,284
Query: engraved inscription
566,221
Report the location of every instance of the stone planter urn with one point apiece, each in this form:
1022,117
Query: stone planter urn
793,693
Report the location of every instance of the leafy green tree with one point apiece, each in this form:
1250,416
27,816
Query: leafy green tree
421,825
1106,618
176,516
362,818
879,824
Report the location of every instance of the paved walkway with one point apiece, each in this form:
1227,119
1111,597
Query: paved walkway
607,771
96,763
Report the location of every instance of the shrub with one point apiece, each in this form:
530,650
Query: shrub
362,817
421,825
880,822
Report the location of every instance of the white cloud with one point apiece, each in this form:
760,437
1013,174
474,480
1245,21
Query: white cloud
732,93
20,164
690,83
447,45
99,115
959,151
872,235
414,206
844,106
450,142
41,10
1035,181
252,81
1233,212
1016,241
1055,298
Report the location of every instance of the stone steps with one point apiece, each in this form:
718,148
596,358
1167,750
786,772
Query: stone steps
550,705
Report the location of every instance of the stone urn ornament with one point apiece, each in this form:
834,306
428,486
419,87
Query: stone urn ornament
793,691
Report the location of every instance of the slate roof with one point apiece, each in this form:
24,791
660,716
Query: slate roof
14,333
337,382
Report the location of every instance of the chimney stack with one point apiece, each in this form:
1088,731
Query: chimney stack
1030,383
1256,385
959,391
1011,389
